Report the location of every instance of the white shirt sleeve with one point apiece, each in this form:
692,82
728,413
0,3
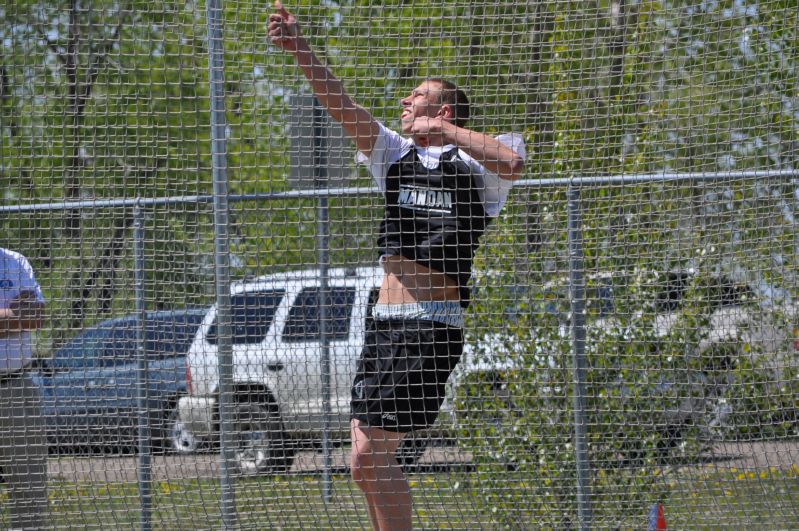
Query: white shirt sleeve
28,280
494,190
389,148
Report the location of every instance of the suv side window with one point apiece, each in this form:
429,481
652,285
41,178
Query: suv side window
251,316
302,325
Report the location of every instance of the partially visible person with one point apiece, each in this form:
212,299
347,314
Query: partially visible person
23,444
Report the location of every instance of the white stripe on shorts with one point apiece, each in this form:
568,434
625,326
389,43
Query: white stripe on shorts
446,312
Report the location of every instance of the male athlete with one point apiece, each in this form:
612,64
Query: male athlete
442,186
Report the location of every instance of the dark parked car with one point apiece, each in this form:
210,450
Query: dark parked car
89,387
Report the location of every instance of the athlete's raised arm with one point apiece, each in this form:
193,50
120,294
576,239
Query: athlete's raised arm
358,123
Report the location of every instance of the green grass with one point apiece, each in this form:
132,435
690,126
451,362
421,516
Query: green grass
699,499
731,498
287,502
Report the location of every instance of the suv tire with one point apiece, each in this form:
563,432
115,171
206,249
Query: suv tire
176,437
259,441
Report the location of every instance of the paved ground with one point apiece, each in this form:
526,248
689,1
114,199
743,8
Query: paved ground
758,456
743,456
111,469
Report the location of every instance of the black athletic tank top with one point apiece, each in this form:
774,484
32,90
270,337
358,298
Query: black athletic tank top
434,216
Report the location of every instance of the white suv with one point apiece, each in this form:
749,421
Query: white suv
277,364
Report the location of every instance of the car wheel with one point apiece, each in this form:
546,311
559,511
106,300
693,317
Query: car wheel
259,442
177,438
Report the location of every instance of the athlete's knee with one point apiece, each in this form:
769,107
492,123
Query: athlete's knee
367,462
372,456
356,472
370,462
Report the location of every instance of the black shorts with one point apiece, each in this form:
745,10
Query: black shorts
401,377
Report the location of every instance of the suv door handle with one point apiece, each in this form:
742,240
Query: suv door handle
275,366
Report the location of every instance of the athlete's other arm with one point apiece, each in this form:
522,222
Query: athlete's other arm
495,156
358,123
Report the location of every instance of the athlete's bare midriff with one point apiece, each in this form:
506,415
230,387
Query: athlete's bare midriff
407,281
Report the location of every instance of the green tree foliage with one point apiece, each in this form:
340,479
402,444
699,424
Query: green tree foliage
672,366
631,97
103,100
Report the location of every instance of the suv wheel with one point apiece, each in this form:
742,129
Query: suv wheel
177,437
259,442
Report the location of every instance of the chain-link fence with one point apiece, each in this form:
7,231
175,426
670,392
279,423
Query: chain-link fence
204,246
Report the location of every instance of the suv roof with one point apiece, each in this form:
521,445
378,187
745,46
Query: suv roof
306,275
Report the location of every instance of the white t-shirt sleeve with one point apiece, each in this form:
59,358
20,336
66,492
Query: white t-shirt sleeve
494,189
389,148
28,280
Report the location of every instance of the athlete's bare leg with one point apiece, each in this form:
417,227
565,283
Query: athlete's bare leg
380,477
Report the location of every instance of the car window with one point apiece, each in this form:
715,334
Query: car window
251,316
171,336
671,292
602,297
717,291
599,300
303,324
120,347
83,351
114,343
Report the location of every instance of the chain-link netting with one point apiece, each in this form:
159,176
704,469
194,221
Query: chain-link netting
200,287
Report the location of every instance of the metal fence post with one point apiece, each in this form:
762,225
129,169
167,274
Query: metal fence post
577,296
323,237
142,395
216,64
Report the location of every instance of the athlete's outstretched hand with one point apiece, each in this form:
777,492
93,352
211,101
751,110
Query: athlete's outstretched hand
283,29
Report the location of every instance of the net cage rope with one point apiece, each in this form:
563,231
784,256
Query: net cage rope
631,342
